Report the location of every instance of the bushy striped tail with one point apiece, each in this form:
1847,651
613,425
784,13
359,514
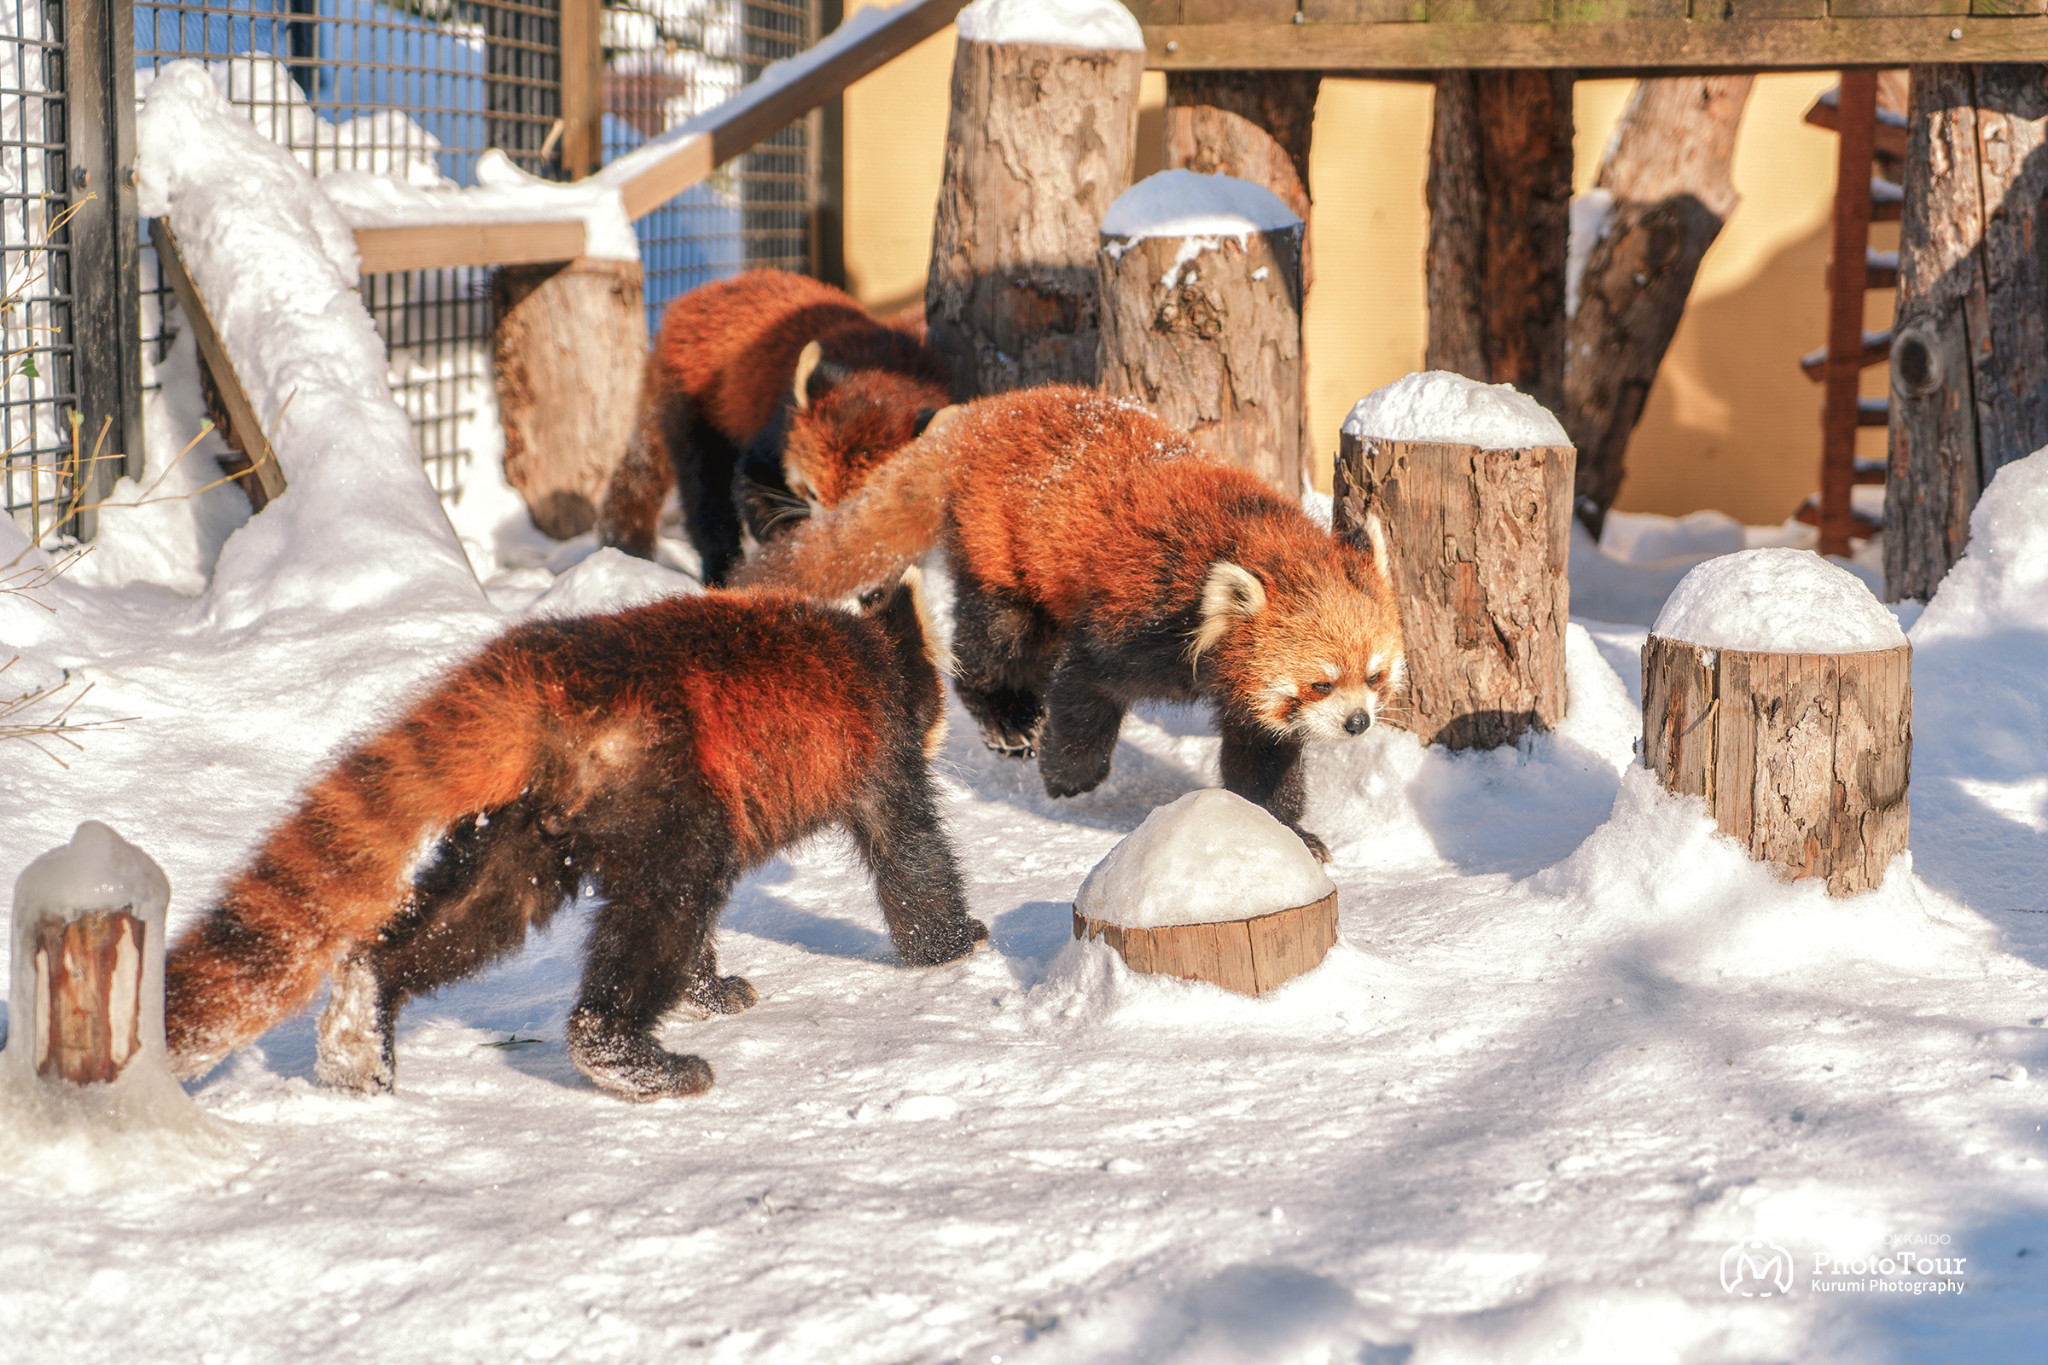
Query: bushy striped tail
330,877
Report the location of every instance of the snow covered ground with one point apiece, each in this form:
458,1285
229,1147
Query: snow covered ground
1573,1049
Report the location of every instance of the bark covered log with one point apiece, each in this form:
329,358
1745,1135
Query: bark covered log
1212,344
1969,380
569,345
86,1016
1802,758
1479,542
1253,125
1669,170
1500,186
1038,145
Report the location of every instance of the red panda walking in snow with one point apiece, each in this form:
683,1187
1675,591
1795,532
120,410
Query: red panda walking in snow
746,372
1100,558
659,753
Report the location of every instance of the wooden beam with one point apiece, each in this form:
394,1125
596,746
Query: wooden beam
442,246
246,430
1610,45
582,149
651,175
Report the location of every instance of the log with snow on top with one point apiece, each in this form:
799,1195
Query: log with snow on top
1474,485
1039,144
1212,888
1201,315
1777,688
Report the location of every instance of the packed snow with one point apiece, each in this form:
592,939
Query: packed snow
1437,405
1777,601
1572,1048
1208,856
1100,24
1190,204
1587,223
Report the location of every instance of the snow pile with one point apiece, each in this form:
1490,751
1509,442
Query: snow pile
1189,204
503,193
1208,856
359,523
1590,214
1777,601
1449,408
1100,24
85,1137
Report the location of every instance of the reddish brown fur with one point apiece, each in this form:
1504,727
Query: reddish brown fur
779,712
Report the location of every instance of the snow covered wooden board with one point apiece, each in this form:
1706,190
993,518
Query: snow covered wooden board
489,241
1249,956
1594,38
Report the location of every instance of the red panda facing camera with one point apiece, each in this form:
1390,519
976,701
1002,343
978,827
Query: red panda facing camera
749,378
658,753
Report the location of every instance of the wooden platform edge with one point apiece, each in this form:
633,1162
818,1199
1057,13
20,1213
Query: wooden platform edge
445,246
1249,956
263,469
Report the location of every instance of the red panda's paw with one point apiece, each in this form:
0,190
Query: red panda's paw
354,1031
1010,720
1315,845
723,995
629,1062
930,945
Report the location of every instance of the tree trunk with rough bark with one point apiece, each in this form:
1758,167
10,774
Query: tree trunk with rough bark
1479,541
1500,187
1212,344
1253,125
569,344
1669,170
1969,357
1039,144
1803,758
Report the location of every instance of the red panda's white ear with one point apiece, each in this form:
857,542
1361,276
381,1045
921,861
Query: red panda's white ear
934,647
1376,538
1231,594
806,361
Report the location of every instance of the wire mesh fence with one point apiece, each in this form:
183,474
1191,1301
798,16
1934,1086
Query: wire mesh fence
35,268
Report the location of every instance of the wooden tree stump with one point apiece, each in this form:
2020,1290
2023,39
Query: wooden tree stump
1804,758
1969,353
1480,540
1038,145
1211,341
1670,170
1500,186
569,344
1249,956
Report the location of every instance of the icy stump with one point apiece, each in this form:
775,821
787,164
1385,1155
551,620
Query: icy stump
1804,758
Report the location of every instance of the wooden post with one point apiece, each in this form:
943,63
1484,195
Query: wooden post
1249,956
1212,342
1500,186
1849,241
1479,541
1670,171
1804,758
570,343
1039,144
1969,353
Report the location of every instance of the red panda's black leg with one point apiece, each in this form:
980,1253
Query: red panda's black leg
704,464
1000,653
1269,770
917,883
1081,725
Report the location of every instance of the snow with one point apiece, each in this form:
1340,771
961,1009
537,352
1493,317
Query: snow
1589,216
1571,1046
1437,405
1189,204
1207,856
503,194
1100,24
1777,601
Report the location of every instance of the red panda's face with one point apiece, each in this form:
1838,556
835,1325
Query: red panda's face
838,436
1318,662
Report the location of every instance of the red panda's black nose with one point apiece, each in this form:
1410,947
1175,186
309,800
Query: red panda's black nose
1358,722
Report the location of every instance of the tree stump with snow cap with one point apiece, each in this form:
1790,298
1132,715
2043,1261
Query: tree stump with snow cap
1201,315
1776,688
1211,888
1039,143
1473,483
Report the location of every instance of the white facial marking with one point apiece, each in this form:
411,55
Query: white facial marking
1332,672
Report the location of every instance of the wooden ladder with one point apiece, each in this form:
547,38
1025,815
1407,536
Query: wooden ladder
1850,110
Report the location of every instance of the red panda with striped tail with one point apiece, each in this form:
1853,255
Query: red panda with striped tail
658,754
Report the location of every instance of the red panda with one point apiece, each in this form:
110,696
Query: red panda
749,378
659,753
1101,558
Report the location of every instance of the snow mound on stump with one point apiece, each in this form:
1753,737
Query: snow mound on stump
1188,204
1209,856
1100,24
1450,409
1777,601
